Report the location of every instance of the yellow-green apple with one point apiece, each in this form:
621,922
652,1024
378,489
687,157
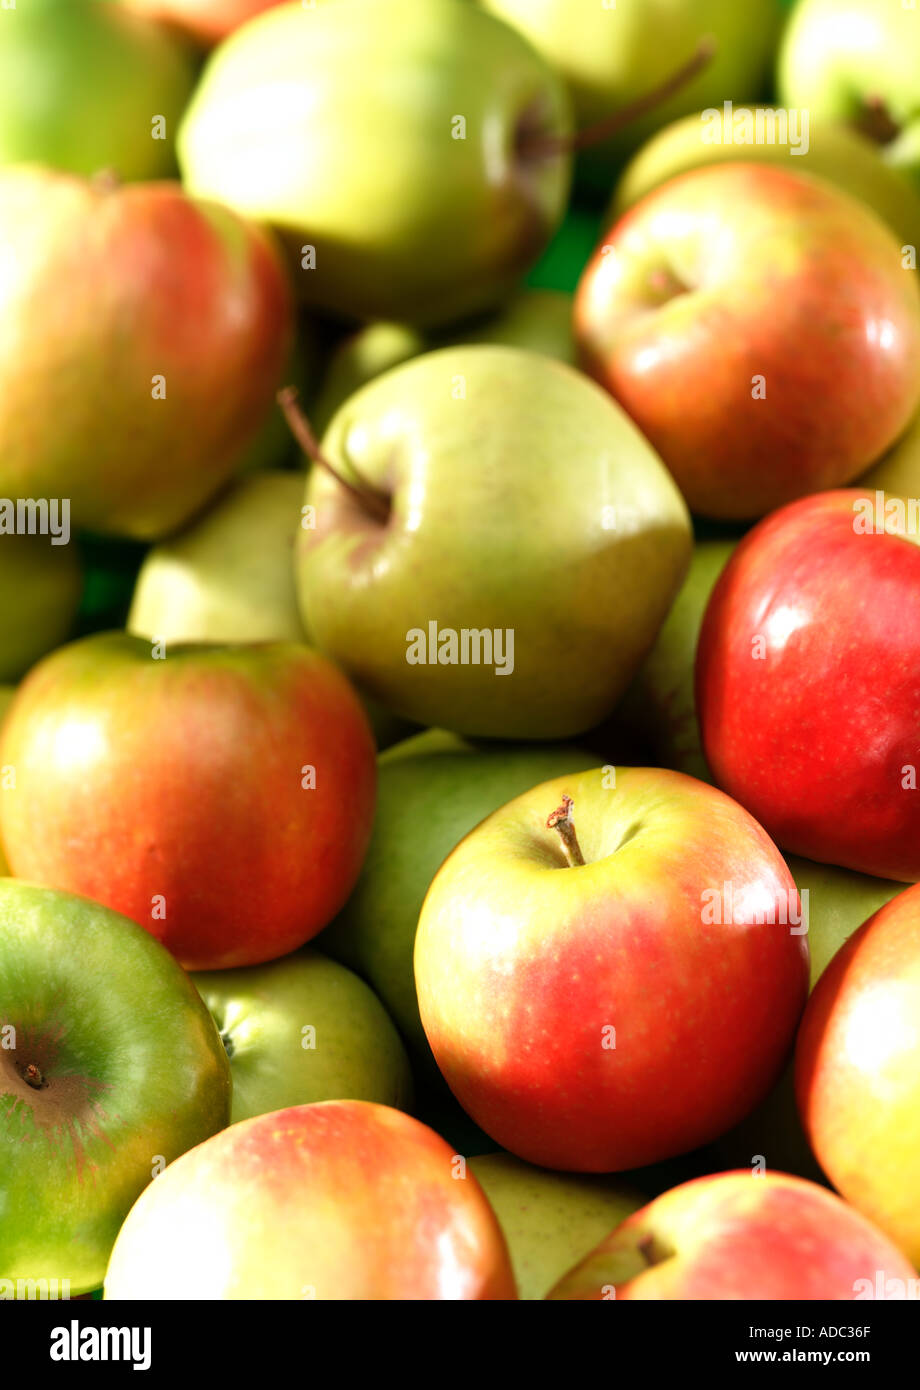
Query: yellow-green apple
610,968
40,586
339,1200
857,1070
220,796
540,320
899,470
495,545
206,21
742,1236
6,699
432,790
817,601
87,86
304,1029
660,701
612,54
422,198
550,1220
697,301
857,61
110,1067
134,396
827,148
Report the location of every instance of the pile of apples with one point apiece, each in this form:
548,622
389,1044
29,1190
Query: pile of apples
459,746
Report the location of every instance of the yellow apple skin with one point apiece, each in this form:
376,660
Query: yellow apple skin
740,1236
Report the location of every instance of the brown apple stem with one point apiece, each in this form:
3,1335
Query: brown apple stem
106,180
540,146
561,821
875,122
33,1077
365,494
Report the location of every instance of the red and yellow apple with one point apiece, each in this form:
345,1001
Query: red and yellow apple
208,21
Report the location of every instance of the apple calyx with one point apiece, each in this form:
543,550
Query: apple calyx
370,498
561,821
106,180
33,1077
876,122
533,145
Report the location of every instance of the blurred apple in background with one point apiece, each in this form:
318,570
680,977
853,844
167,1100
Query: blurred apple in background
342,1200
858,1070
135,395
512,500
899,471
220,796
857,61
701,296
741,1236
7,693
808,688
207,21
550,1220
87,86
431,790
552,942
40,587
304,1029
110,1068
425,196
826,148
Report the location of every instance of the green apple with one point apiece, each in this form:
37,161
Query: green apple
899,470
550,1220
540,320
432,789
110,1067
834,151
408,153
612,54
858,61
87,86
304,1029
40,587
660,702
509,525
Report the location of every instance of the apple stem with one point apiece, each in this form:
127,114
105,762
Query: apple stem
540,146
876,123
365,494
561,821
32,1076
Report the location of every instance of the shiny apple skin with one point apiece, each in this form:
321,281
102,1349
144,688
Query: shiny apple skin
338,1200
858,1070
813,738
740,1236
765,273
139,779
521,963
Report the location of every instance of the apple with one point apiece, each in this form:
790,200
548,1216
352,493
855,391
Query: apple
857,1070
560,933
6,699
611,55
222,797
550,1220
660,701
422,196
339,1200
432,790
857,61
187,382
304,1029
696,303
806,681
40,586
827,148
540,320
899,470
462,584
206,21
87,86
742,1236
110,1067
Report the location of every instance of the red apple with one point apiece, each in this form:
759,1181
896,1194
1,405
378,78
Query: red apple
338,1200
743,1236
206,20
180,792
761,329
858,1070
605,1014
808,681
